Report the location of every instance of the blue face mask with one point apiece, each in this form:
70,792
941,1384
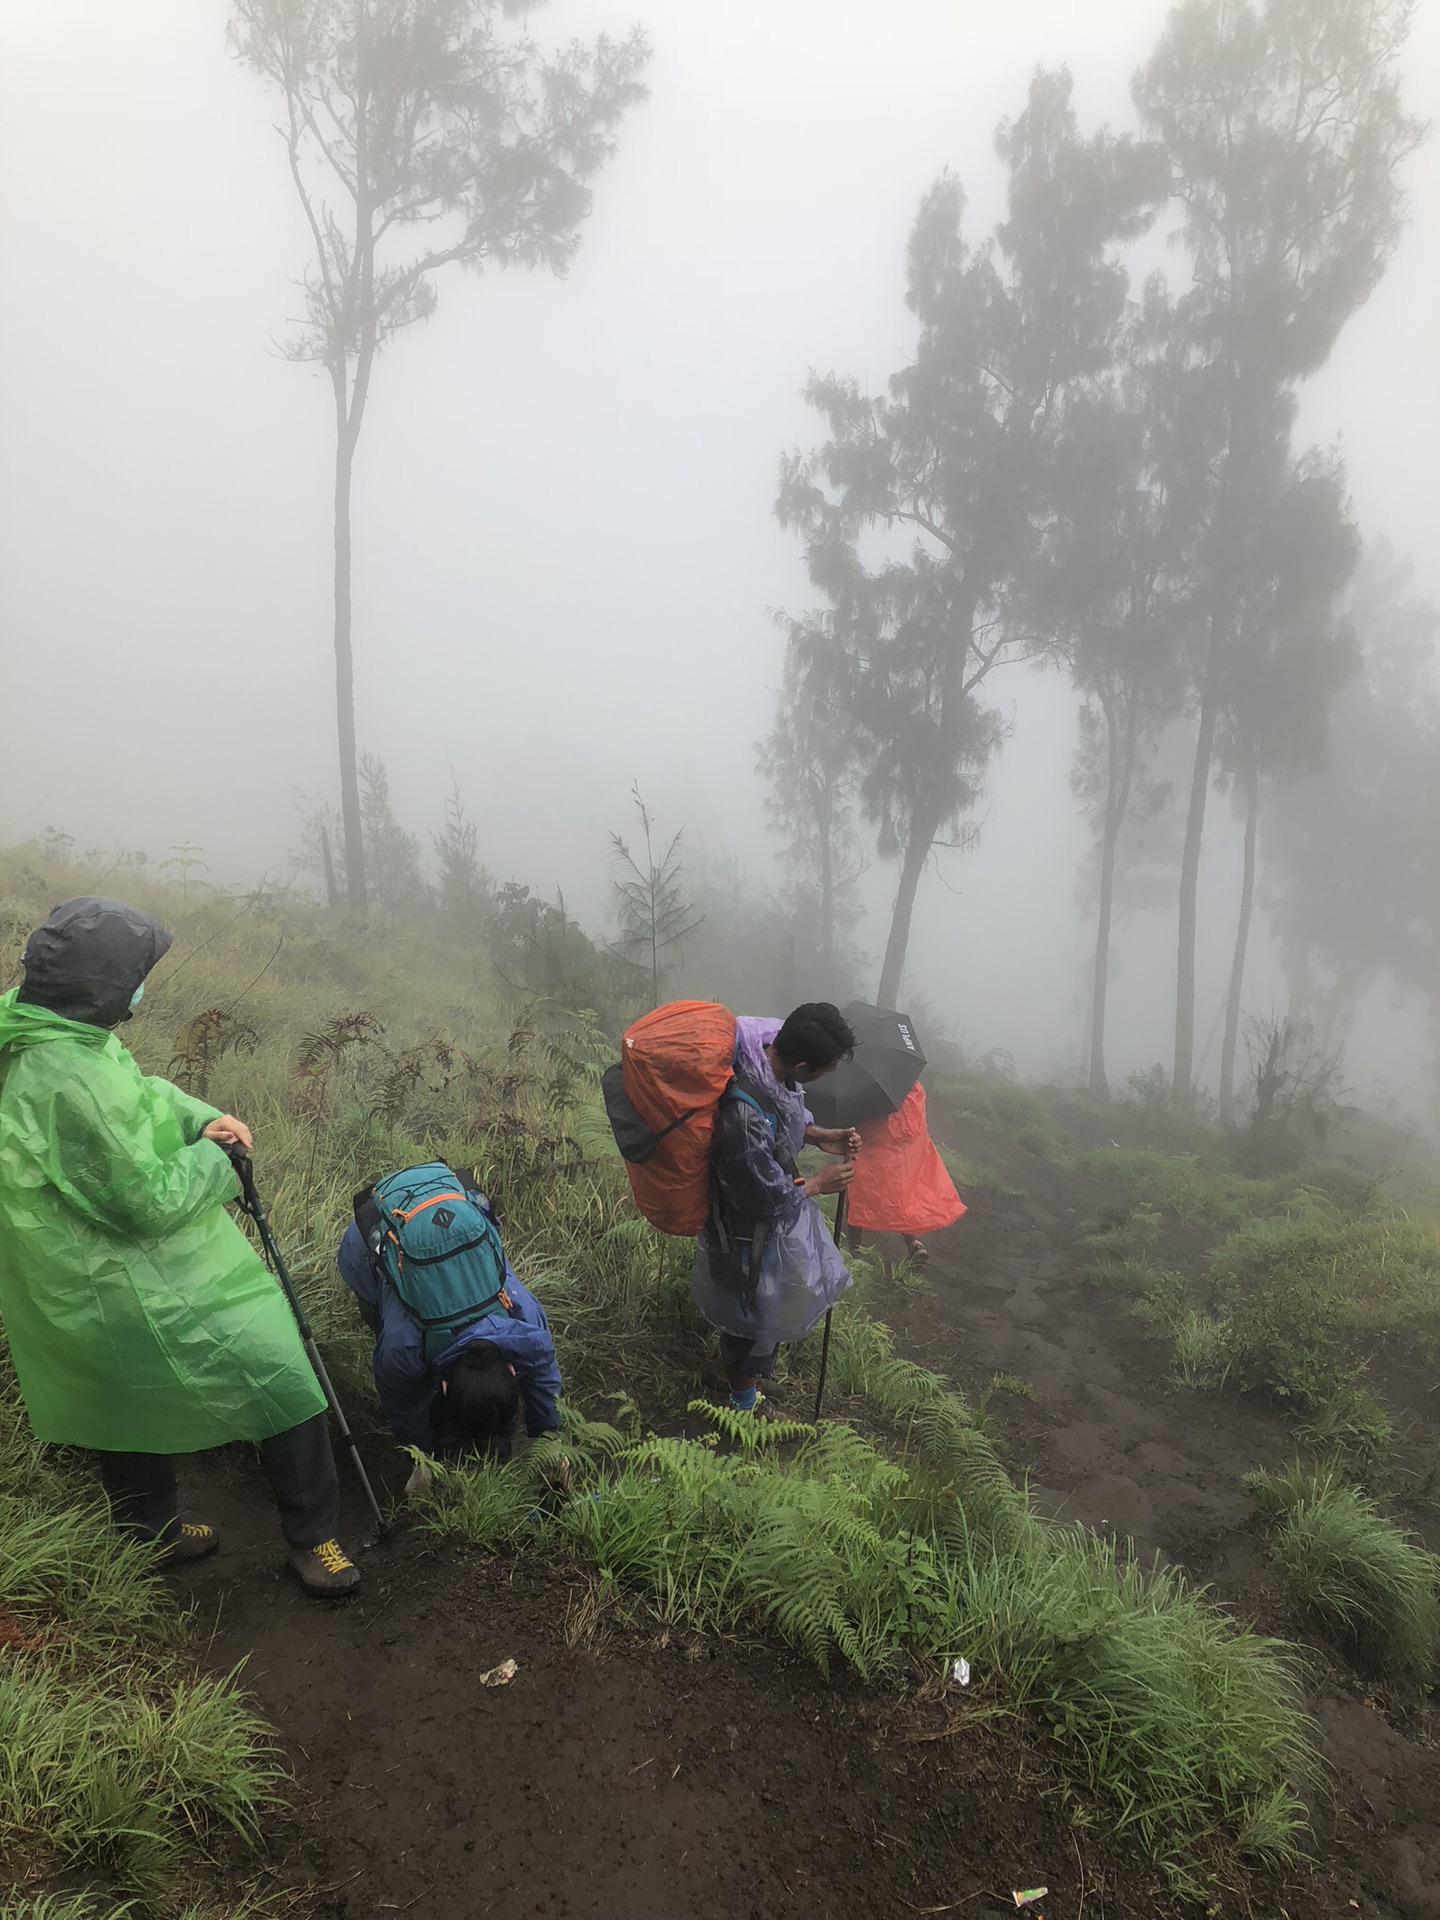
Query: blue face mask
137,996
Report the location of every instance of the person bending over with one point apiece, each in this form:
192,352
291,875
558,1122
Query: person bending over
141,1320
466,1397
766,1267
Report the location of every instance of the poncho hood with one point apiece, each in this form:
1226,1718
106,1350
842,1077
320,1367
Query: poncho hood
89,957
25,1026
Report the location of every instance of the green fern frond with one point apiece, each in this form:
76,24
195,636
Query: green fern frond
745,1431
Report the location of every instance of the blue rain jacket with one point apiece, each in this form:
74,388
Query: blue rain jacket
407,1383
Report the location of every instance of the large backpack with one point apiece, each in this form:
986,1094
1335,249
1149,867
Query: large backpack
661,1097
437,1246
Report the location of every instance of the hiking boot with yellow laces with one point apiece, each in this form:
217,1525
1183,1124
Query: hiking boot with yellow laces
194,1541
326,1570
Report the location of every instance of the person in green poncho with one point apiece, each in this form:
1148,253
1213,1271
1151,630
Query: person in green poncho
141,1321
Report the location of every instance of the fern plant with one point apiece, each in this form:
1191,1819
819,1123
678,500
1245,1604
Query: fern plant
745,1432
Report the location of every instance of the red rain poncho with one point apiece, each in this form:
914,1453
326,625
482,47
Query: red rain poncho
900,1183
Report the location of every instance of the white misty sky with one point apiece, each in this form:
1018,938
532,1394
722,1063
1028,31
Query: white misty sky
565,546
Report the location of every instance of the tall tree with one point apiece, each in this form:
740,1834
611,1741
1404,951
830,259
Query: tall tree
420,120
809,760
1352,879
1292,653
958,455
1282,124
1110,588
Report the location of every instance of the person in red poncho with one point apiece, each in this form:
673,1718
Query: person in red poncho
900,1184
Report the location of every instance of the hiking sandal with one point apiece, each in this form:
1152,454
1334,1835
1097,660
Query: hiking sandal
326,1571
194,1541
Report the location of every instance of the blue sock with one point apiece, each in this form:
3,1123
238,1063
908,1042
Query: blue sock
744,1402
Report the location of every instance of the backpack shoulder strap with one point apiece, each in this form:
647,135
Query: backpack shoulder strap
742,1087
367,1214
753,1094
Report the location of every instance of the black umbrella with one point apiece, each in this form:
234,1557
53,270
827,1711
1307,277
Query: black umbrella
887,1062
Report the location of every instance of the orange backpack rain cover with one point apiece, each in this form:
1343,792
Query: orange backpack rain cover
678,1061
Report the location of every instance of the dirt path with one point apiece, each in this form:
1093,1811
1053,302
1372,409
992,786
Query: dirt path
1110,1440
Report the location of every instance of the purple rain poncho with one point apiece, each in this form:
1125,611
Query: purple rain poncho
801,1272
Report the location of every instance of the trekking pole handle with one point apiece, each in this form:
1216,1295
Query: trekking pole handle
244,1172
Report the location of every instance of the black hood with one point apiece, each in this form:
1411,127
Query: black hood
89,957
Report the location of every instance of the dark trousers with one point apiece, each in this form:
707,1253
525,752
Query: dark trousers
299,1465
747,1359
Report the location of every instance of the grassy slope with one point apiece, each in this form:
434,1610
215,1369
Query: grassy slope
353,1052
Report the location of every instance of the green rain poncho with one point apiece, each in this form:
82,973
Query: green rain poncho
139,1316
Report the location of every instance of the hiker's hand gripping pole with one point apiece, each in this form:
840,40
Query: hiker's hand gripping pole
251,1202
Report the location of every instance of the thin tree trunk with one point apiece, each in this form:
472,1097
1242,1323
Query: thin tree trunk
827,899
345,674
1242,942
349,412
1190,870
332,889
1120,775
916,852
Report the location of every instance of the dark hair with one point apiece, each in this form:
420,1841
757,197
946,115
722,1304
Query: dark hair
817,1036
480,1400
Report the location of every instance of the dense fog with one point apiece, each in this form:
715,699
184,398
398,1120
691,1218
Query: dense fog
567,560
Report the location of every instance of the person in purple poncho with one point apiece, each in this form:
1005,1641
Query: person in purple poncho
766,1267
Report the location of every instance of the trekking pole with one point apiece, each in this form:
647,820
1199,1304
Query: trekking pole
250,1201
841,1202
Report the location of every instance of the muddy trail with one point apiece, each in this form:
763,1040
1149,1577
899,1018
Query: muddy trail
636,1772
1110,1440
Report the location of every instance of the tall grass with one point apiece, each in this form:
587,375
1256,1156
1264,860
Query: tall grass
121,1771
1285,1307
1371,1584
1193,1188
113,1755
89,1906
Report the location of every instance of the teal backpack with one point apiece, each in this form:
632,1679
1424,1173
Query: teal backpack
435,1242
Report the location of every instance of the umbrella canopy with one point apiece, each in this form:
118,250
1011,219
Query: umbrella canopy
887,1062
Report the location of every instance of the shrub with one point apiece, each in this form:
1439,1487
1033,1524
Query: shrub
1003,1103
1295,1292
1371,1583
1124,1233
1351,1420
970,1174
1347,1190
1181,1184
1204,1350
